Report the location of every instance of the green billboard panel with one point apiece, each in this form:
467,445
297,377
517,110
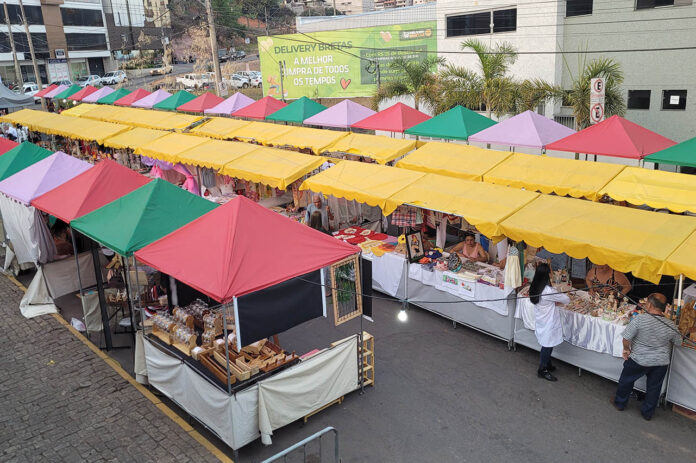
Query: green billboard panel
340,63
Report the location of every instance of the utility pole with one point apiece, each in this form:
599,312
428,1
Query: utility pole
214,48
265,12
130,26
31,46
281,67
18,70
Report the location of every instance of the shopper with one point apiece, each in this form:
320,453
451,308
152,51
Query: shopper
318,205
549,331
647,348
315,222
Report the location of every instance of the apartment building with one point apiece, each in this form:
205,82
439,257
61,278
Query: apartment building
127,19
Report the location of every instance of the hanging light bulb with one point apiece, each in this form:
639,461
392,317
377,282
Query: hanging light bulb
403,316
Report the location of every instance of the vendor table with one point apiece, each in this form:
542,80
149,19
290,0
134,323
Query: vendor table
681,386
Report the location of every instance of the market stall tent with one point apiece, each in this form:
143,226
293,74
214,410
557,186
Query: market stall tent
101,93
616,137
260,109
100,185
86,91
683,260
462,161
114,96
42,93
142,216
134,138
86,129
219,127
214,154
626,239
74,88
21,157
396,118
27,117
231,104
458,123
381,149
132,97
549,175
315,140
6,145
654,188
683,154
174,101
297,111
340,115
527,129
260,132
201,103
166,148
152,99
93,111
42,177
55,91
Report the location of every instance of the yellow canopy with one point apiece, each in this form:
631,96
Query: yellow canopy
219,127
564,177
381,149
83,129
367,183
134,138
627,239
308,138
452,159
683,260
271,166
166,148
656,188
481,204
79,110
98,112
261,132
29,118
214,154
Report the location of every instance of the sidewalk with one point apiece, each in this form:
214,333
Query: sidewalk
61,401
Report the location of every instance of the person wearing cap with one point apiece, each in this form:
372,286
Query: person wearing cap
647,349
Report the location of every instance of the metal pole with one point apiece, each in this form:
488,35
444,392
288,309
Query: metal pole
129,294
100,292
214,48
137,294
362,347
77,261
227,347
18,70
281,66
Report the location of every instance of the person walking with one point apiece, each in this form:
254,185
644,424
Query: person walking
647,349
548,328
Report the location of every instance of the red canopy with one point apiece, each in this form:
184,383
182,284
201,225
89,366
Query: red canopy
201,103
88,90
615,137
132,97
6,145
92,189
242,247
45,90
396,118
260,109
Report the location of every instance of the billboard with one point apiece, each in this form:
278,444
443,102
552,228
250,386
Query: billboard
340,63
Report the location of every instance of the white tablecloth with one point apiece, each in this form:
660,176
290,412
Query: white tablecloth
387,270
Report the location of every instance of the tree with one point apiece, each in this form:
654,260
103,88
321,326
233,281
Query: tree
413,78
226,15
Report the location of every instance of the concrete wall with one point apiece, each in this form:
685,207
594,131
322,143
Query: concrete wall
375,18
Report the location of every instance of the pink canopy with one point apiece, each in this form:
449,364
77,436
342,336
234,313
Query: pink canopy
527,129
152,99
101,93
231,104
343,115
55,91
42,177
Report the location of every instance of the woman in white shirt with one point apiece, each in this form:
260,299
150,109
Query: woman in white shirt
549,331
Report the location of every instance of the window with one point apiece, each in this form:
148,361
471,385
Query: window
469,24
34,15
638,99
79,42
505,20
674,99
21,44
642,4
81,17
578,7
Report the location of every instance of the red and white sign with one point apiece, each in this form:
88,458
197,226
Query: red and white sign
597,93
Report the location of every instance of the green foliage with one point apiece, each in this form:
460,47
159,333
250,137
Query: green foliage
417,78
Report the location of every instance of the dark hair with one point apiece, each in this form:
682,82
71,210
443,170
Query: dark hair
315,221
659,301
468,234
541,280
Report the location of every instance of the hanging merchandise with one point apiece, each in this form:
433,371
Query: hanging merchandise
513,277
207,177
406,216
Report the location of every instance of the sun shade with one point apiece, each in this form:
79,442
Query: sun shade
366,183
142,216
201,103
21,157
616,137
261,132
103,183
459,123
42,177
626,239
527,129
343,115
315,140
655,188
86,91
381,149
683,260
297,111
138,117
549,175
274,167
174,101
683,154
151,99
219,127
462,161
94,97
132,97
55,91
231,104
80,129
27,117
214,154
45,90
166,148
395,118
74,88
482,205
260,109
114,96
134,138
93,111
233,246
6,145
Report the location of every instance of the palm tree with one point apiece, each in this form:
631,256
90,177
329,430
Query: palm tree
415,78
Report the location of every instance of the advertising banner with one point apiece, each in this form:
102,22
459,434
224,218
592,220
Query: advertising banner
340,63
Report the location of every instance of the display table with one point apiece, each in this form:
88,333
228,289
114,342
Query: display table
681,389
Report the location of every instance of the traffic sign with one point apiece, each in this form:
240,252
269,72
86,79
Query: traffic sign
596,113
597,93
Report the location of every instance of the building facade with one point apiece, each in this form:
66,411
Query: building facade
137,24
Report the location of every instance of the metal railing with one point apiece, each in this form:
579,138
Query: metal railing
303,444
568,121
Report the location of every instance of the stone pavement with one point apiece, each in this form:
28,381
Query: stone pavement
59,401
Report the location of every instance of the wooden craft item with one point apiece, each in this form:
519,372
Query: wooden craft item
214,367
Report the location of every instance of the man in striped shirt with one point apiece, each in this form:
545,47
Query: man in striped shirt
647,348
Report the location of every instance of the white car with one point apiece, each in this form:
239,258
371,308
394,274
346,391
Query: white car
161,70
237,81
91,79
114,78
256,81
195,80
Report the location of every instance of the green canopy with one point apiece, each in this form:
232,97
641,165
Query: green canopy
142,216
174,101
70,91
458,123
297,111
113,96
20,157
683,154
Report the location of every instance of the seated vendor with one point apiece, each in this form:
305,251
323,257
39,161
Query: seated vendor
603,280
470,249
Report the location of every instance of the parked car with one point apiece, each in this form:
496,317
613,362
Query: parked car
114,78
223,55
237,81
161,70
195,80
91,79
249,74
237,55
62,82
